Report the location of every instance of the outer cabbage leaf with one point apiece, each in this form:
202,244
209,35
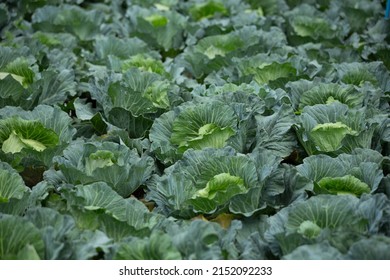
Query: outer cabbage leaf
122,48
306,26
30,199
160,134
20,239
284,185
56,40
54,229
80,22
170,193
246,107
203,240
11,184
320,166
157,247
4,15
274,132
136,127
319,251
88,244
273,72
373,248
376,210
357,14
207,10
219,45
54,87
115,229
253,247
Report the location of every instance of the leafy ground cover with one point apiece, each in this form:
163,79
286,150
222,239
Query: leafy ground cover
200,129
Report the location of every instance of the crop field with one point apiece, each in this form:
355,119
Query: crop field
197,130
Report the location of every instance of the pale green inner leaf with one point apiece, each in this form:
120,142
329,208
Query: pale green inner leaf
331,99
36,145
313,27
207,10
309,229
222,183
161,7
97,160
328,136
344,185
28,253
212,51
18,78
157,20
158,94
15,143
210,135
207,129
274,71
17,134
11,186
144,63
219,45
